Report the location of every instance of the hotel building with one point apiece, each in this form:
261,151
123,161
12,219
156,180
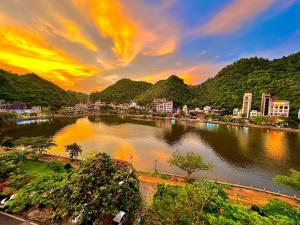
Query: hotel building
271,106
279,108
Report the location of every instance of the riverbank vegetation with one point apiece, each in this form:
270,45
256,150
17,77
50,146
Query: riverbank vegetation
93,193
56,191
204,202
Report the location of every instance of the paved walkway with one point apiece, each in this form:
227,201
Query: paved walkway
7,219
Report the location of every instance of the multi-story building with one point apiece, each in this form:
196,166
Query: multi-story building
162,105
279,108
266,99
247,103
271,106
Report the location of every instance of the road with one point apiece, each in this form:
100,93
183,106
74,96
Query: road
6,219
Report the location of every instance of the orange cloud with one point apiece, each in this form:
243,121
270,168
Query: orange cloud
128,34
234,15
26,50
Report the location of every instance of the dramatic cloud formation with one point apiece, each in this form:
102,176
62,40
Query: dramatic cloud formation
86,45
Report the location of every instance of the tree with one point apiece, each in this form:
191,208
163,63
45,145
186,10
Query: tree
7,142
293,181
94,191
39,145
205,202
185,205
74,150
189,162
9,163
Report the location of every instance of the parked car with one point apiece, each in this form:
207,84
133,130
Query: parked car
119,219
3,203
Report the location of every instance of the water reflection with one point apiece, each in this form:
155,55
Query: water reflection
240,155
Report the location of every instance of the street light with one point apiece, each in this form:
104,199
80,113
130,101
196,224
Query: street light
123,181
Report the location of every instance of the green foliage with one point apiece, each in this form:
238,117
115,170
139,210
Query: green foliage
19,180
34,90
9,163
7,115
68,166
34,168
56,166
280,77
172,88
7,142
292,181
188,161
74,150
205,202
277,208
122,91
185,205
94,191
37,192
38,145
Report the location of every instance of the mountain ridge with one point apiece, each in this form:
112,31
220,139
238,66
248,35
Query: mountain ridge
34,90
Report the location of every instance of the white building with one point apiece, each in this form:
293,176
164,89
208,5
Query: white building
133,105
98,104
207,109
254,113
81,106
279,108
163,106
247,103
185,109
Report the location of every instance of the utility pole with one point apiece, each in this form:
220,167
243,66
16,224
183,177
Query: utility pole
131,159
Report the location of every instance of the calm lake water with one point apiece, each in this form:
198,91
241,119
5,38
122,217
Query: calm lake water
238,155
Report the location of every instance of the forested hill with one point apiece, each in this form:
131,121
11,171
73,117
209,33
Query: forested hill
280,77
34,90
122,91
172,88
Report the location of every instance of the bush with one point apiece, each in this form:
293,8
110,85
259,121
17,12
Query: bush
9,163
277,208
67,166
56,166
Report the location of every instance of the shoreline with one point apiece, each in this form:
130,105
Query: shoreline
150,117
173,176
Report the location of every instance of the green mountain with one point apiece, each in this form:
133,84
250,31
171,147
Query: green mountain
172,88
122,91
280,77
34,90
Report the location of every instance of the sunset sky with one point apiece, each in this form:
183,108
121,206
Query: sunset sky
86,45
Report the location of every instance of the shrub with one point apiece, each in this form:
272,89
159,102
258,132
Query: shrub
56,166
67,166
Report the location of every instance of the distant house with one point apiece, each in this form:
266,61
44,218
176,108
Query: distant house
98,104
185,109
254,113
207,109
